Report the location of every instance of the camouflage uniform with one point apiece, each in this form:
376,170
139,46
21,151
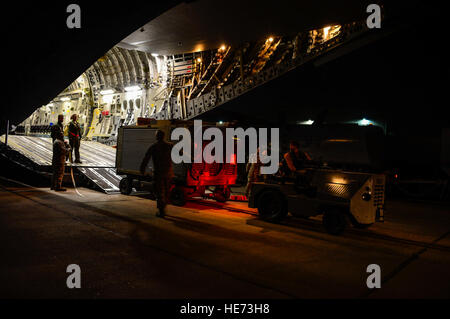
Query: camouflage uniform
58,161
74,139
294,162
160,152
294,167
253,170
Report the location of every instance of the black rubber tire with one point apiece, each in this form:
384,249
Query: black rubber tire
358,225
361,226
126,185
177,196
272,206
222,194
334,221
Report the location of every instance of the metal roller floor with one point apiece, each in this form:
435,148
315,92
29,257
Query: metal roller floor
98,160
40,150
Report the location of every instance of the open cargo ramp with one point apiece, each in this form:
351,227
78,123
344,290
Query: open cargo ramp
97,169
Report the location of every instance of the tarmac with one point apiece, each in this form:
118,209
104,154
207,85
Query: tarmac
210,250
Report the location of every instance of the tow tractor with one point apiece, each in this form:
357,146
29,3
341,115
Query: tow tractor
340,196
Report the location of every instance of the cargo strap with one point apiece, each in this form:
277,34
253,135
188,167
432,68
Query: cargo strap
71,174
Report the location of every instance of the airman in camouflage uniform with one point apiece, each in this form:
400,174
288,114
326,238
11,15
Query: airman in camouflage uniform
60,150
160,152
58,127
75,137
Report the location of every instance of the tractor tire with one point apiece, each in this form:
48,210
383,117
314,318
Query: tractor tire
361,226
358,225
177,196
126,185
334,221
222,194
272,206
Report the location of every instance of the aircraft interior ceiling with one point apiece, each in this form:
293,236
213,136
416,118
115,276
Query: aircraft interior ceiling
125,84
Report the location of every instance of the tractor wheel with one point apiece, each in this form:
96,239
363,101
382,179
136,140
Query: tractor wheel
272,206
356,224
334,221
222,194
360,226
177,196
126,185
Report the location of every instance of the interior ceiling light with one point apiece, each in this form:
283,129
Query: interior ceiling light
105,92
132,88
325,31
364,122
308,122
65,98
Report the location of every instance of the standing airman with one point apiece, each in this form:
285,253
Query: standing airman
75,137
160,152
60,150
58,127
